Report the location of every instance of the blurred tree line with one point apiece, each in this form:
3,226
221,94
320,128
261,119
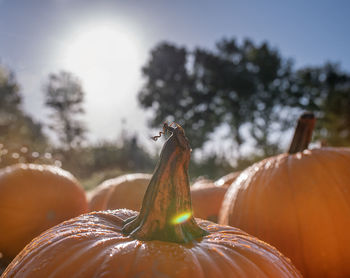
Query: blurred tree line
247,89
23,140
18,131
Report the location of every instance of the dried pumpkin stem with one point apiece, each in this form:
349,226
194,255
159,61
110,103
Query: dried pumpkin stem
166,212
303,133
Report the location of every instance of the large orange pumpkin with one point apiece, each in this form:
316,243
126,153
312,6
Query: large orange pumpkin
300,203
34,198
163,240
126,191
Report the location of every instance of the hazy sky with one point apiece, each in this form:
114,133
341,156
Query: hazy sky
42,37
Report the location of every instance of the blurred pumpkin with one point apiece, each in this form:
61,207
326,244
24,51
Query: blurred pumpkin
34,198
299,202
207,196
228,179
202,182
163,240
126,191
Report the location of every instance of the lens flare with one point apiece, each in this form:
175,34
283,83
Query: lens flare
181,218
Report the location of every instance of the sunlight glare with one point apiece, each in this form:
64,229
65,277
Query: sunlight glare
107,57
181,218
102,53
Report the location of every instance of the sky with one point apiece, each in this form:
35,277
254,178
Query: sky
84,36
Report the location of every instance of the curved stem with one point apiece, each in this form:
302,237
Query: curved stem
303,133
166,212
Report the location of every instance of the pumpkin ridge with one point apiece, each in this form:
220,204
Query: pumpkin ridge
297,214
258,191
245,194
133,258
230,262
322,201
77,253
325,198
223,262
196,262
248,262
334,177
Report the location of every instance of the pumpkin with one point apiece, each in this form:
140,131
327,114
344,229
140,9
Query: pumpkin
202,182
228,179
299,202
206,199
97,197
163,240
126,191
34,198
207,196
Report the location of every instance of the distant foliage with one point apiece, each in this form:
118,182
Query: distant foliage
326,90
126,155
19,133
211,166
236,84
249,89
64,96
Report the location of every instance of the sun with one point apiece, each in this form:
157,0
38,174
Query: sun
101,54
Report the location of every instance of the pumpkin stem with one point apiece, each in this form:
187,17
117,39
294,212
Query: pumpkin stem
166,212
303,133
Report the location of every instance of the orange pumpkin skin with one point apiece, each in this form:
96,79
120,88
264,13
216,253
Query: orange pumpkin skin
299,203
34,198
207,201
228,179
126,191
92,245
163,240
202,182
97,197
207,196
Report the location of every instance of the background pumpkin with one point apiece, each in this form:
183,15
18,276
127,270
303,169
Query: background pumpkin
300,203
207,196
34,198
126,191
228,179
206,199
123,243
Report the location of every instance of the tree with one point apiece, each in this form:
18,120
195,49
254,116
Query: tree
65,96
326,90
240,86
17,129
